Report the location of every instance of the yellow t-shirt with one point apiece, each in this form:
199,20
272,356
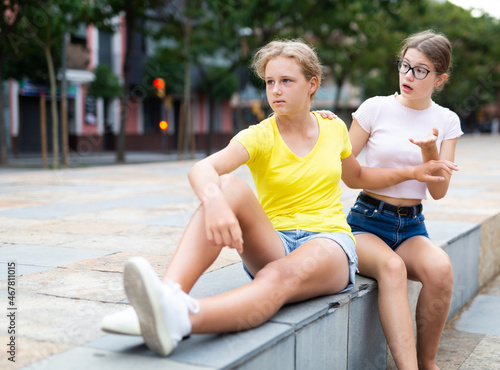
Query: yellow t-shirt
299,193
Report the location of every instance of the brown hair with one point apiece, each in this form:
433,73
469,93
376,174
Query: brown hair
435,46
303,54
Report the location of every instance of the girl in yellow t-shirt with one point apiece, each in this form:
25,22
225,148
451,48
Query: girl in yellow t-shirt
293,239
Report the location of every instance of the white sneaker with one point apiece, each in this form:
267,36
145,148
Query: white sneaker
123,322
163,309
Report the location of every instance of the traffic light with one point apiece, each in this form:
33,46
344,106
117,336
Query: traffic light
159,85
163,125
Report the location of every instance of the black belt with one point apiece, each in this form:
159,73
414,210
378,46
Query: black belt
402,211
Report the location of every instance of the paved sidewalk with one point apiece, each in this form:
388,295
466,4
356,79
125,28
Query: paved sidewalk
67,233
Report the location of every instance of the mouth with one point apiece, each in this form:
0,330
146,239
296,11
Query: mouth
406,88
279,101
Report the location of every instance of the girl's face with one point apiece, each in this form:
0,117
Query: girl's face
419,91
288,92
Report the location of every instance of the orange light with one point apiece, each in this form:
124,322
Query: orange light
159,83
163,125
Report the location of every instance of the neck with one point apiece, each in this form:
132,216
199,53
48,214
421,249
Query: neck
417,104
295,122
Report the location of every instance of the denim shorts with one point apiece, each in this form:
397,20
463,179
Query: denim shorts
393,228
293,239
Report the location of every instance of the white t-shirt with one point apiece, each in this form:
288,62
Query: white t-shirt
390,125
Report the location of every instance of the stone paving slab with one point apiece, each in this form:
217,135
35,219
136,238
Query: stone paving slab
486,356
482,316
44,256
455,347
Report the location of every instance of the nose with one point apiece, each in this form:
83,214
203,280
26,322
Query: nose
409,74
277,89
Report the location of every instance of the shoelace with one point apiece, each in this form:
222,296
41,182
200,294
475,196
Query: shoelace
192,304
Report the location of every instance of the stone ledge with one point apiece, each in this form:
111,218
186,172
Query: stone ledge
340,331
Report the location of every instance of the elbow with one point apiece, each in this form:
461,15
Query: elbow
193,171
352,184
438,194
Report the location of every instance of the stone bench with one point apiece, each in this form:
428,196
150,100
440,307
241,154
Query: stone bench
340,331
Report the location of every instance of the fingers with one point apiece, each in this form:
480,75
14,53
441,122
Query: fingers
430,139
226,236
327,114
448,166
435,166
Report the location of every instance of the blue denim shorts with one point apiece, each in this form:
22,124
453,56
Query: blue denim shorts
393,228
293,239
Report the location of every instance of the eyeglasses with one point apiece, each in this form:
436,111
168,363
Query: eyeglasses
418,72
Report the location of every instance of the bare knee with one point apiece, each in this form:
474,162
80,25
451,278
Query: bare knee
279,278
392,273
439,273
235,189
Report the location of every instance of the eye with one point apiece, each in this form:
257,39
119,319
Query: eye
421,70
287,80
269,82
406,65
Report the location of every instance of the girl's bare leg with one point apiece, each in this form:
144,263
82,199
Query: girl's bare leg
319,267
430,265
380,262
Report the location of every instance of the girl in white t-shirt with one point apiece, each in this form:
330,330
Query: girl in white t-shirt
392,243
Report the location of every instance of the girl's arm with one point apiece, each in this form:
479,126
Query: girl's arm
430,152
222,226
360,177
358,137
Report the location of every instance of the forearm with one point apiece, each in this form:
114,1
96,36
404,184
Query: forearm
376,178
205,181
436,190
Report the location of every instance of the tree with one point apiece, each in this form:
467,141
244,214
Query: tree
44,25
134,13
11,14
105,85
201,38
353,38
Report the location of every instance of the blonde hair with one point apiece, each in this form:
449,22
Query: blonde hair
298,50
435,46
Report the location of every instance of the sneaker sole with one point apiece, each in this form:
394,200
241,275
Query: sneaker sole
120,330
139,281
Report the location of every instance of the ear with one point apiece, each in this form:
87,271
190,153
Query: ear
313,84
440,80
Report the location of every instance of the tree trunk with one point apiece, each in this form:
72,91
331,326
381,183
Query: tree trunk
336,100
124,101
53,104
43,129
211,124
187,88
64,106
3,126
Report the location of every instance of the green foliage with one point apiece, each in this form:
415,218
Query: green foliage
106,84
219,83
357,41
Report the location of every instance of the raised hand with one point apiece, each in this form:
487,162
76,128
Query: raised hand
429,142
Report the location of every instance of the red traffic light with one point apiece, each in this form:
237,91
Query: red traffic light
163,125
159,83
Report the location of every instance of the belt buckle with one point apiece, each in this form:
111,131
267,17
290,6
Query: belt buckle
402,214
